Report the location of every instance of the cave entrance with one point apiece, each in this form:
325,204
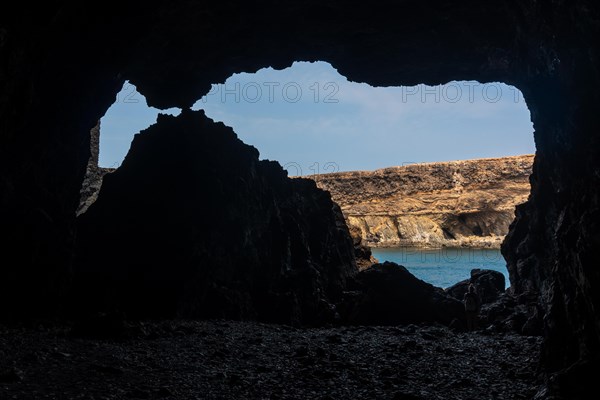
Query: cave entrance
128,115
417,206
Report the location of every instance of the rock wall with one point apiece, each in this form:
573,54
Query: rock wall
460,203
92,182
193,225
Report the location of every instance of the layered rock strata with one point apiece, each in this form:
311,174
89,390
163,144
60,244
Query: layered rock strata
460,203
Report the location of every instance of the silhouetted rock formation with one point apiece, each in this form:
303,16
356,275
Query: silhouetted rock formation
501,311
489,284
61,67
467,203
193,224
387,294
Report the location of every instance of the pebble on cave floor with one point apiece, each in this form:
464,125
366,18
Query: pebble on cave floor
247,360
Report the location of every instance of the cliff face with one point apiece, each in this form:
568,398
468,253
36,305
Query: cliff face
92,182
458,203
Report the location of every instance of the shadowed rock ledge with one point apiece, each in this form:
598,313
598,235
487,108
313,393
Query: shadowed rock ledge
460,203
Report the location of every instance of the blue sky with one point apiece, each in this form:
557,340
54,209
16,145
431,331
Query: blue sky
311,119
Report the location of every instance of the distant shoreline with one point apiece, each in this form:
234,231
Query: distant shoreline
462,204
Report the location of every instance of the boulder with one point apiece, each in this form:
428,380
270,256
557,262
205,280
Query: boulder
388,294
489,284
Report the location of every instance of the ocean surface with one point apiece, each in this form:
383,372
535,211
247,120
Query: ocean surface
443,267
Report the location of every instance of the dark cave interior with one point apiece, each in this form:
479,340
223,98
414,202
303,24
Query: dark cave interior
61,67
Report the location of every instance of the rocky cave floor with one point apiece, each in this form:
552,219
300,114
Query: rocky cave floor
244,360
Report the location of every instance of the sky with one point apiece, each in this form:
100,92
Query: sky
313,120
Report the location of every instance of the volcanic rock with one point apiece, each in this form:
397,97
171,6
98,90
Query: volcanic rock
94,174
388,294
193,224
488,283
362,252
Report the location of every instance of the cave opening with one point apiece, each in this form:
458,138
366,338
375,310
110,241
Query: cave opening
61,71
451,216
313,120
128,115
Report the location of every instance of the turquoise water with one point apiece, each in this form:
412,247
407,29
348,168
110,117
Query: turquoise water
443,267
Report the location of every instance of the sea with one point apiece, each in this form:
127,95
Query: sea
445,266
